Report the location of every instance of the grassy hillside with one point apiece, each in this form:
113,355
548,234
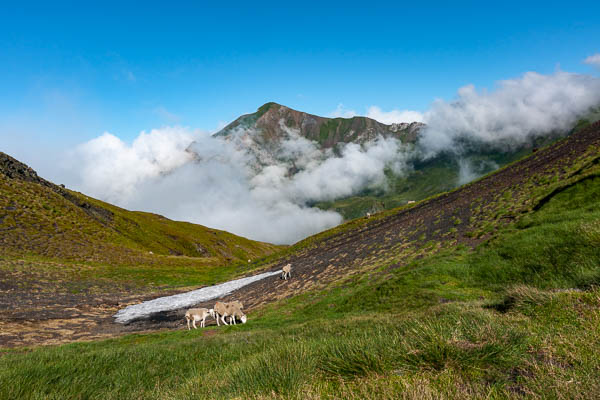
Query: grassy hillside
37,220
45,226
492,292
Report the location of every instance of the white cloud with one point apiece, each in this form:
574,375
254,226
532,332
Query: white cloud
593,60
517,111
355,169
394,116
342,112
217,183
111,169
376,113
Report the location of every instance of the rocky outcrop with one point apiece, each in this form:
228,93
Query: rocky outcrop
14,169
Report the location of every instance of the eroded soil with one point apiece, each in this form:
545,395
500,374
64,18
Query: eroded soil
42,303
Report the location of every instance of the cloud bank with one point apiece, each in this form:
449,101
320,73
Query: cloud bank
518,111
114,170
593,60
394,116
265,194
376,113
192,176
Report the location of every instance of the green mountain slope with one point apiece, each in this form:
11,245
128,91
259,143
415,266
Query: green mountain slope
43,219
439,174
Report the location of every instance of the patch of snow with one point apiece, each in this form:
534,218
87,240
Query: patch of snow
184,300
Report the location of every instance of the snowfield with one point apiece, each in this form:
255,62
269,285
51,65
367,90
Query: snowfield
184,300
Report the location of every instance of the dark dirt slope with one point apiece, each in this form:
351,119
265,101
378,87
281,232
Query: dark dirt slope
468,216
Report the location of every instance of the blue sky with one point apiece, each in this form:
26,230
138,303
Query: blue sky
69,72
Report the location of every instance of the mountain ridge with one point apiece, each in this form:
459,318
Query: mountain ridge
271,120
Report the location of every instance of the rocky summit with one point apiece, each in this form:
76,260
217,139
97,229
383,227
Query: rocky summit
272,122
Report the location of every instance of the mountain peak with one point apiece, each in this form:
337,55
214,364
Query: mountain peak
271,105
272,121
